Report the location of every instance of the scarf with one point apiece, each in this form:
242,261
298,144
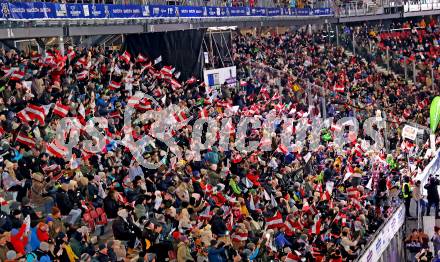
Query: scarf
70,254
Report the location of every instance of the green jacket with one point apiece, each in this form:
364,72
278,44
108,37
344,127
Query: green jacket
234,187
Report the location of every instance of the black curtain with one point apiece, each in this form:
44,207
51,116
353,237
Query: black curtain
181,49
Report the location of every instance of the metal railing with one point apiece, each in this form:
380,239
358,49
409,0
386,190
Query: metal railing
421,5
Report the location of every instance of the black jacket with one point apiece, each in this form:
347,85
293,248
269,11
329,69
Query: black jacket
111,207
122,230
218,225
63,202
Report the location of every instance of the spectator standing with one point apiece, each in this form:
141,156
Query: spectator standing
407,195
433,197
418,197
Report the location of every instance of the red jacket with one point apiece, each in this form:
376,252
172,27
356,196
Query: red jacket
19,240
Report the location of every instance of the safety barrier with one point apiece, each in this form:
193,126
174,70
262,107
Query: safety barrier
48,11
383,237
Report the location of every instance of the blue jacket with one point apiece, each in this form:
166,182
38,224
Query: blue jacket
216,254
34,242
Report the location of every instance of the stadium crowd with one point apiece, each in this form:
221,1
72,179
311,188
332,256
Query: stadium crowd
407,41
309,204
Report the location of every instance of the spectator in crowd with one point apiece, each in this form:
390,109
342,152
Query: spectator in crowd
318,200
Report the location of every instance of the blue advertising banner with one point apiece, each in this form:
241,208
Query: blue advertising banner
214,11
95,11
40,10
162,11
75,11
125,11
191,11
322,11
274,11
239,11
258,11
23,10
302,11
286,11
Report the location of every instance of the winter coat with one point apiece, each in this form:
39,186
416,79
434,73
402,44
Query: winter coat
183,254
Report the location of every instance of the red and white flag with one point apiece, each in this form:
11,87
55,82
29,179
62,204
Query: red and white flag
180,117
114,85
56,150
81,114
316,228
61,110
275,221
282,149
82,75
406,113
34,112
144,105
239,236
203,113
25,139
126,57
82,62
175,84
167,71
192,80
16,75
352,192
141,59
133,101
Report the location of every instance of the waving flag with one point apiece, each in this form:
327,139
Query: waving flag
25,139
144,104
180,117
114,85
56,150
82,75
34,112
175,84
203,113
316,228
191,81
126,57
16,75
282,149
167,71
133,101
339,88
141,59
275,221
60,109
239,236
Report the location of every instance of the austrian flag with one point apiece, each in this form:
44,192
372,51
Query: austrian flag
180,117
82,75
126,57
56,150
33,112
275,221
114,85
61,110
175,84
24,139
